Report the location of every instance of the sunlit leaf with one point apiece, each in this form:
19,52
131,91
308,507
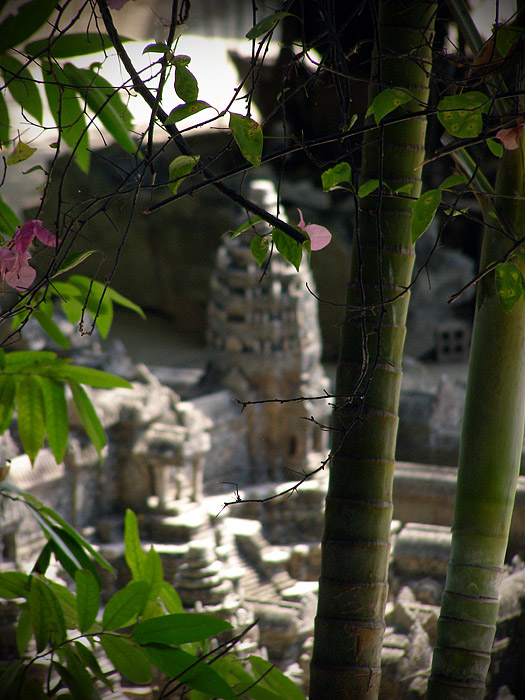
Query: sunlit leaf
274,679
331,178
248,136
179,628
179,170
20,153
89,376
424,211
170,598
125,605
245,226
259,248
134,554
387,101
495,147
88,598
367,188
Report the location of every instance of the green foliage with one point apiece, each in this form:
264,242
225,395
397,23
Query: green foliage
249,137
333,177
179,170
462,115
67,623
259,248
186,110
386,102
267,25
186,85
18,27
288,247
510,284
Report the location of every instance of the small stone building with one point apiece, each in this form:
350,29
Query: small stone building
264,336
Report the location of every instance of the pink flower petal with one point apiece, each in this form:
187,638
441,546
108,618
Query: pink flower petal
510,138
24,236
320,236
21,275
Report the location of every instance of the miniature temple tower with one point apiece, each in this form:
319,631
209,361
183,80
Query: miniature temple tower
264,334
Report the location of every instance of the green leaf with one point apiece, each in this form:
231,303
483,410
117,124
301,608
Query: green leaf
331,178
52,330
510,285
7,401
88,416
290,249
495,147
14,584
405,189
4,122
186,85
259,248
47,618
100,98
266,25
127,658
424,211
248,136
97,301
73,260
179,628
41,565
11,678
124,605
120,299
17,28
88,598
68,604
56,418
8,219
158,47
31,420
179,170
24,630
134,554
20,153
91,377
29,360
461,115
74,676
69,44
186,110
154,573
275,680
170,598
246,225
23,87
387,101
90,661
506,36
452,181
187,668
367,188
67,112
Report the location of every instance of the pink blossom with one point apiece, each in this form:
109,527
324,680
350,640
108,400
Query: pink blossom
510,138
15,269
319,236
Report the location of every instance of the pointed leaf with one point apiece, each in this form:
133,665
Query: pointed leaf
187,668
134,554
31,420
47,618
127,658
74,676
154,573
266,25
248,136
186,85
14,584
90,661
52,330
288,247
20,153
120,299
259,248
179,170
18,27
125,605
23,87
71,555
495,147
88,416
179,628
72,261
275,679
68,604
70,44
246,225
170,598
90,377
186,110
88,598
424,211
4,123
367,188
387,101
452,181
331,178
7,401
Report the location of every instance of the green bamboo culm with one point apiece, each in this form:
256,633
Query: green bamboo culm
353,585
489,464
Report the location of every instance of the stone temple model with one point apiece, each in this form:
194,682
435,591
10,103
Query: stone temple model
264,337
